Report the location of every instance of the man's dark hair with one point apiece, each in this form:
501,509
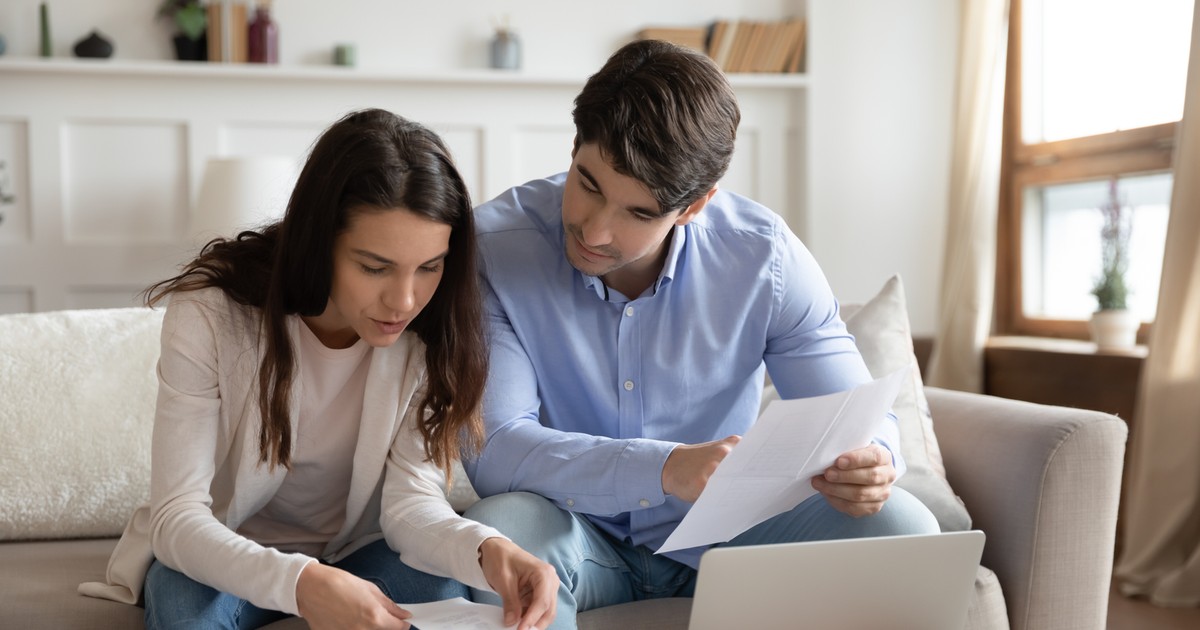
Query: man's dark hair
662,114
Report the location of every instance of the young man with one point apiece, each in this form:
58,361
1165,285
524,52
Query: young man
632,309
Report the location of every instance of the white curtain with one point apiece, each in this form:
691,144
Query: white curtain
1160,558
968,269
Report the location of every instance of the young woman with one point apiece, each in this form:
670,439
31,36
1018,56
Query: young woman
317,380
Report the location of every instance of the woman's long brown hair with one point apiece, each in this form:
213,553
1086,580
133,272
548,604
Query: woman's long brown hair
368,158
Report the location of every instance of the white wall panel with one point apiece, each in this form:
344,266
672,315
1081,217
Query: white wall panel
539,151
104,297
14,181
466,147
742,176
16,300
265,139
124,182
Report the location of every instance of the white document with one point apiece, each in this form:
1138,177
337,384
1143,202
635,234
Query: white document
456,614
769,471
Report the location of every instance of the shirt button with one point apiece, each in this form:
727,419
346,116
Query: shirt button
628,311
570,502
644,503
628,386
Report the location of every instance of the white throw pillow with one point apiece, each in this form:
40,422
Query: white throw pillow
76,414
881,332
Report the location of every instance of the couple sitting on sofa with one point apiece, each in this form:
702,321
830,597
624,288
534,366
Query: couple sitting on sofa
319,378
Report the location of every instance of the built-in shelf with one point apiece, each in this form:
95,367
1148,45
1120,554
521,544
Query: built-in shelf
159,68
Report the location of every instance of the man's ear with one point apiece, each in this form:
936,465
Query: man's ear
693,210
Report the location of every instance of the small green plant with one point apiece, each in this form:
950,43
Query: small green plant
189,16
1110,289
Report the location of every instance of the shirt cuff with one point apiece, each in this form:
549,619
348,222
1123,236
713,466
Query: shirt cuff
299,563
639,474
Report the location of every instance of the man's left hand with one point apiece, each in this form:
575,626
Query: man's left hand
859,482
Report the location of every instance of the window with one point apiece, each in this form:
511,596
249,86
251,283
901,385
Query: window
1094,94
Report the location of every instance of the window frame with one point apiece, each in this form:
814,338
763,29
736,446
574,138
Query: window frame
1143,150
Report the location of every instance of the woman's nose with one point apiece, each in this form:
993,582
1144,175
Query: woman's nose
399,296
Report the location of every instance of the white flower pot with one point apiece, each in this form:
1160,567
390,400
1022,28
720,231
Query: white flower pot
1114,330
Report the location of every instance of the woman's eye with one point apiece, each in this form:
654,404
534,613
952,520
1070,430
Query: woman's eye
374,271
431,268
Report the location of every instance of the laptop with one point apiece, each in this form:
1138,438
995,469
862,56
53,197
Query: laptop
919,582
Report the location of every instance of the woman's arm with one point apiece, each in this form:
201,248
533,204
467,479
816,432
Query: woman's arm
192,440
430,536
418,521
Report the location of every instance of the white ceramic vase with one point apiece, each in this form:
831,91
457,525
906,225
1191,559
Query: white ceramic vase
1115,329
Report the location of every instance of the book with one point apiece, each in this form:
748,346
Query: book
716,32
723,47
228,32
795,61
741,44
694,38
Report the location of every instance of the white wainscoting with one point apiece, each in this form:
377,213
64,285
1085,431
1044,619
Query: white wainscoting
104,159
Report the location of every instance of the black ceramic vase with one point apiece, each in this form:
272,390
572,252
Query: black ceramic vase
191,49
94,46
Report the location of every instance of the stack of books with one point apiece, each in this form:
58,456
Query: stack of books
228,32
696,38
756,46
742,45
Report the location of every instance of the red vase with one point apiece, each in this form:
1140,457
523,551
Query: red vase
264,37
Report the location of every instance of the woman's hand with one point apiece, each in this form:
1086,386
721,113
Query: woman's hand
528,586
330,598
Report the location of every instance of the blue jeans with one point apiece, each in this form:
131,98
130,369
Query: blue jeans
598,570
173,600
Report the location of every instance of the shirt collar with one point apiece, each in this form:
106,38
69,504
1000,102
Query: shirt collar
670,267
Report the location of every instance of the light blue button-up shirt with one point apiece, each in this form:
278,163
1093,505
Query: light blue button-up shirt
589,390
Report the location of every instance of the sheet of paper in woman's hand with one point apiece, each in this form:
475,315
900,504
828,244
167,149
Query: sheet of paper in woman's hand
768,472
456,614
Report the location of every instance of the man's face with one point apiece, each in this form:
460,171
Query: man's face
614,227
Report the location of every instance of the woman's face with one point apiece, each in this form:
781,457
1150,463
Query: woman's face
386,268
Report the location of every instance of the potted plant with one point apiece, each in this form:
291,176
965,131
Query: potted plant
191,23
1113,325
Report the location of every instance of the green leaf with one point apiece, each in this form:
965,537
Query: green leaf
191,20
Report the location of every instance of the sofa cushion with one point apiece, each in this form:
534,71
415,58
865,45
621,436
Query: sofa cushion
77,411
987,610
882,334
39,580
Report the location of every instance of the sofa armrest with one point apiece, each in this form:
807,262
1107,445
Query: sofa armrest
1043,483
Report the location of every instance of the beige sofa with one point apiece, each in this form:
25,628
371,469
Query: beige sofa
1041,481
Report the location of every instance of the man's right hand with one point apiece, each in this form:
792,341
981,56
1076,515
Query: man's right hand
689,466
